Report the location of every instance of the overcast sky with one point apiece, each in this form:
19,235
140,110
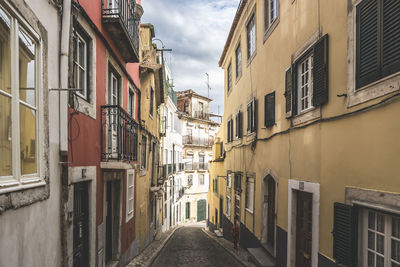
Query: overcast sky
196,31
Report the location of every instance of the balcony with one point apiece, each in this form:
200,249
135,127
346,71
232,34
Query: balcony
203,166
198,141
201,115
119,134
121,20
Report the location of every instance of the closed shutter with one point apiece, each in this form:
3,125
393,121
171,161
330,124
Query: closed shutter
391,37
269,110
237,126
288,92
240,123
320,72
368,55
248,117
254,117
345,234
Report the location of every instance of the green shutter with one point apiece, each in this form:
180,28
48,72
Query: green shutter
288,92
391,37
269,109
367,42
345,227
240,124
254,112
320,72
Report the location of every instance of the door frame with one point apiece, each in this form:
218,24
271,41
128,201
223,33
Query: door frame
293,187
270,174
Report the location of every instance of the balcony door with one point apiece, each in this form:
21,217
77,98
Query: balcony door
113,100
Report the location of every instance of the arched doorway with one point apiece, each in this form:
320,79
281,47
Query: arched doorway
269,211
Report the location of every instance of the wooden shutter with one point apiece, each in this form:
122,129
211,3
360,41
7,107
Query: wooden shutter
288,92
269,109
237,125
345,234
229,131
254,116
320,72
368,55
391,37
240,123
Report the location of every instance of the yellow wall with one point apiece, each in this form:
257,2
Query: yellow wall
359,150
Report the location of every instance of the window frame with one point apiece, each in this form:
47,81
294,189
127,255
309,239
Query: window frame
151,104
80,35
250,194
143,153
130,213
228,206
132,102
229,77
309,56
238,63
251,53
251,116
17,181
201,181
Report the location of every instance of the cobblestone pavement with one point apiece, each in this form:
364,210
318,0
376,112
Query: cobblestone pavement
190,246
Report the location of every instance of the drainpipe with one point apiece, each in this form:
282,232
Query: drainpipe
63,79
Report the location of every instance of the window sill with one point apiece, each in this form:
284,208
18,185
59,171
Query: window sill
86,107
13,186
374,90
312,114
271,29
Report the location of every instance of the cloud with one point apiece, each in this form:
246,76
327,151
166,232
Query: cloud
196,30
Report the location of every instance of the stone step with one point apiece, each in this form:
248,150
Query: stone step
261,257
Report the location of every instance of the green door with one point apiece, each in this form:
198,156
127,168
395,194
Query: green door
201,210
187,210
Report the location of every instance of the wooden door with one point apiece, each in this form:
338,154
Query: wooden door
201,210
303,229
81,225
271,213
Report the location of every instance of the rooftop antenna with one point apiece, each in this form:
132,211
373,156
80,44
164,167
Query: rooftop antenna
208,85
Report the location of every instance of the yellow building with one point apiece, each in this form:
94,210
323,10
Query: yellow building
148,193
311,131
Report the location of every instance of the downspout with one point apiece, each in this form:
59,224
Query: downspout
63,78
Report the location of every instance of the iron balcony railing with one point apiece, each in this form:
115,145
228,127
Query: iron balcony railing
201,115
203,166
120,16
119,134
198,140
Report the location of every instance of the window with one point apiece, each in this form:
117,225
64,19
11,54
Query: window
251,116
238,57
305,84
151,101
311,73
269,110
190,180
377,44
239,125
143,151
80,63
250,194
19,105
230,130
130,184
202,163
114,91
229,180
131,103
201,179
238,181
165,210
228,206
251,37
381,235
270,12
229,77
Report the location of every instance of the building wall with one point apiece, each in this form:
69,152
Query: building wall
30,218
335,149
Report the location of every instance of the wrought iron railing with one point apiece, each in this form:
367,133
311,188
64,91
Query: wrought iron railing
198,140
119,134
123,10
201,115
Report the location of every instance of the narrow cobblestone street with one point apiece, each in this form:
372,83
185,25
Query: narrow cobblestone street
190,246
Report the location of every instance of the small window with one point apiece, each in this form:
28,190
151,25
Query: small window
201,179
269,110
151,101
80,63
238,57
305,84
230,130
130,183
132,103
251,37
239,125
270,12
250,194
229,77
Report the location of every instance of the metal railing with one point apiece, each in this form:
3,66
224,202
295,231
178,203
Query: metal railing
201,115
198,141
124,11
119,134
203,166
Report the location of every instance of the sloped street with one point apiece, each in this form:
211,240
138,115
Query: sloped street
190,246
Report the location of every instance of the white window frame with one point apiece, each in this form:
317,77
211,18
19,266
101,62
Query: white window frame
250,193
129,198
387,237
229,77
307,98
238,63
132,98
251,37
84,92
17,181
229,180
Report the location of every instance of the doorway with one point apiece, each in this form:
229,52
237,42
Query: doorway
201,210
221,207
113,210
81,225
269,211
303,229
